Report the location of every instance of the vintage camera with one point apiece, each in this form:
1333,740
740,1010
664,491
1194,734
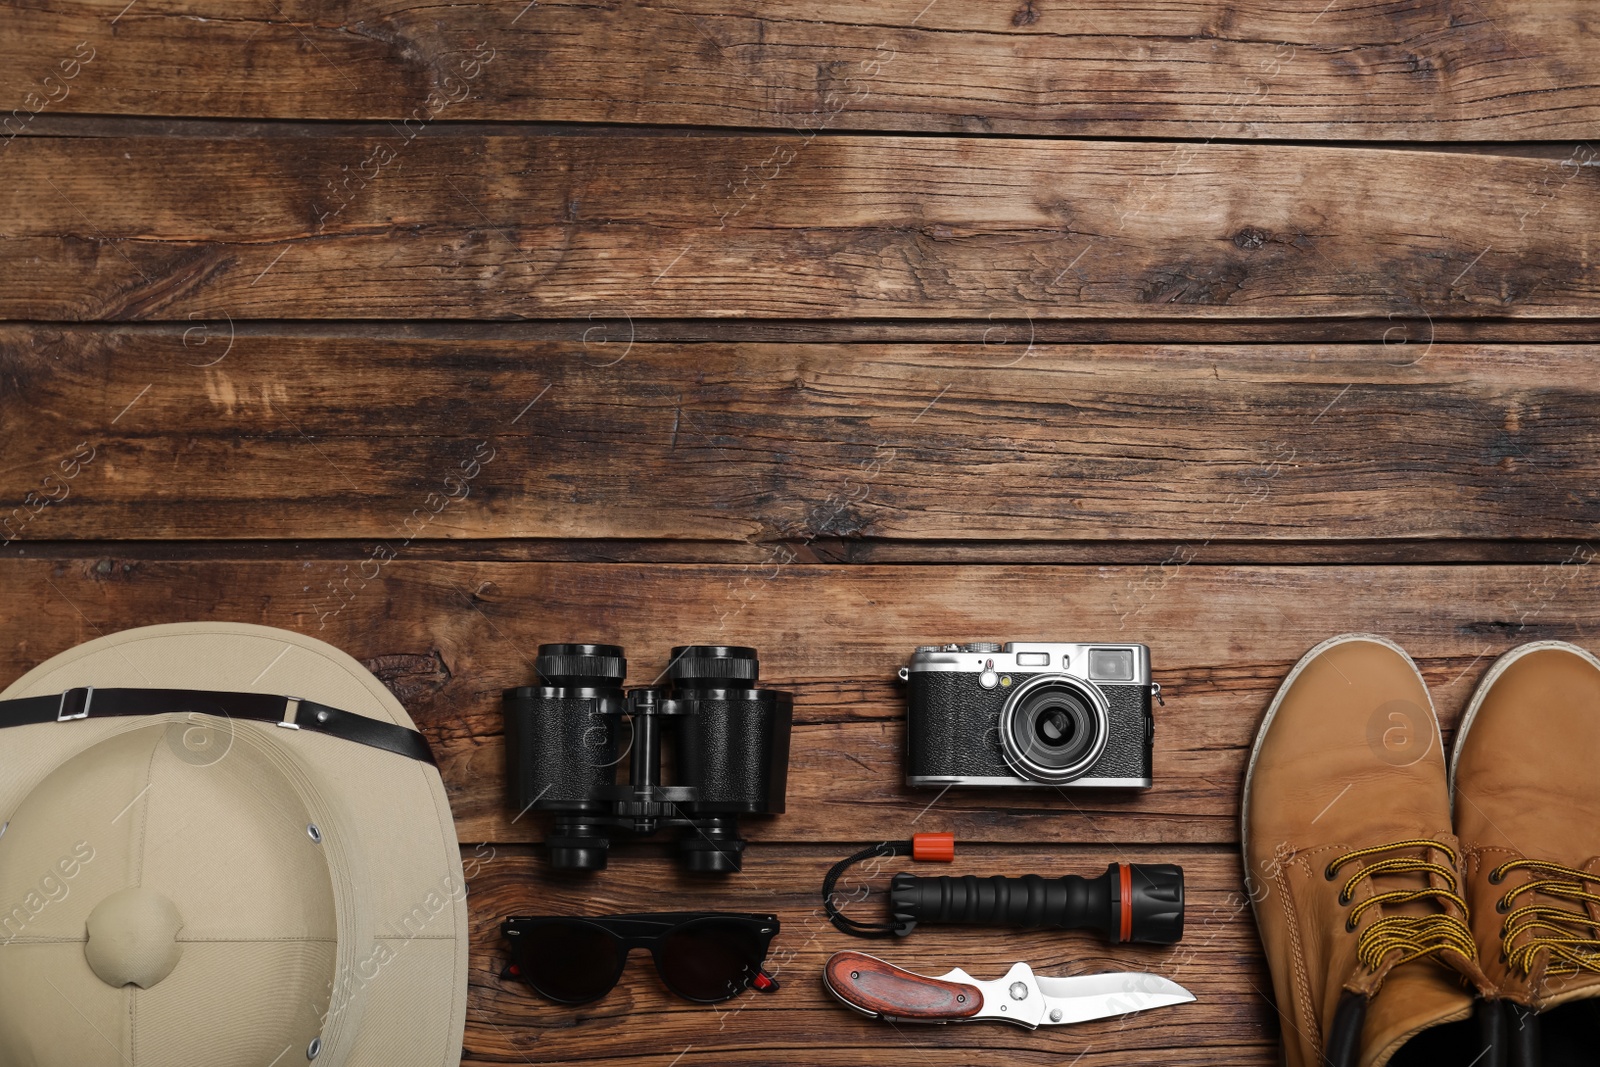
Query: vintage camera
1029,714
729,743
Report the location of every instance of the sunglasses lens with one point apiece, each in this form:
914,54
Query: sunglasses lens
710,960
570,962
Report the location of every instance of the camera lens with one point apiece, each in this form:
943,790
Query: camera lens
581,666
1053,728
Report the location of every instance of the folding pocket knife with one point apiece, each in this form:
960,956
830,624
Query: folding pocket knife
884,991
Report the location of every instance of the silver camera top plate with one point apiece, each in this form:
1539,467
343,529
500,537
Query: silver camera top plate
1107,662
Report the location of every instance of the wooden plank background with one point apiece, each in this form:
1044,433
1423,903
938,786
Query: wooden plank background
623,227
439,332
1462,70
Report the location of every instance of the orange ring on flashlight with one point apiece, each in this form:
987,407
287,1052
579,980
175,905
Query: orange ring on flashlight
1127,901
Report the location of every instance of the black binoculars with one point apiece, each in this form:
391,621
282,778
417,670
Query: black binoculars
728,739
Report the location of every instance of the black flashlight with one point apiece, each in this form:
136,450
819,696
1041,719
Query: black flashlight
1140,902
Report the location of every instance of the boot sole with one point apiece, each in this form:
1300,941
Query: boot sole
1496,669
1272,711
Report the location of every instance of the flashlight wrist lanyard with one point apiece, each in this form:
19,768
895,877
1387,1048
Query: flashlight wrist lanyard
937,848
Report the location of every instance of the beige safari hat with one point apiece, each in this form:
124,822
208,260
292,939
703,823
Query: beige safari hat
223,845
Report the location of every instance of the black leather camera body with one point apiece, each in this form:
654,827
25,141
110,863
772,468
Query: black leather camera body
1072,715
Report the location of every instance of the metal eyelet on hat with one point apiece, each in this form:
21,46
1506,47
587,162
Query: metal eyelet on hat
314,1048
314,832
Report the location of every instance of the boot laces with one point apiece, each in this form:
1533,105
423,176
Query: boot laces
1570,933
1412,936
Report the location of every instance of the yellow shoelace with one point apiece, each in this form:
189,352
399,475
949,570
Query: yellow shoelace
1414,936
1571,934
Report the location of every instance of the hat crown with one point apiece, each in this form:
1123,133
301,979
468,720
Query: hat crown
133,938
157,880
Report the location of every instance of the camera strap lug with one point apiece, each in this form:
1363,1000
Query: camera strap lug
1155,691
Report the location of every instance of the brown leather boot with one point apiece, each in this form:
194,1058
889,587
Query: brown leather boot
1526,788
1352,868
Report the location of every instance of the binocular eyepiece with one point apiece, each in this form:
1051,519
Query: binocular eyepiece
728,742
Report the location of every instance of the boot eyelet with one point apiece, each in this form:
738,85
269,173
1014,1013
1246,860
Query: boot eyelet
1330,873
1496,876
1349,925
1502,906
1344,900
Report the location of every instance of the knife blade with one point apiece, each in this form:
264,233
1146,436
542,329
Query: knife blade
1079,998
883,991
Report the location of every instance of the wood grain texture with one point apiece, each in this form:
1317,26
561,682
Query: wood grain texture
1219,961
1441,69
616,229
831,551
450,636
1393,331
777,447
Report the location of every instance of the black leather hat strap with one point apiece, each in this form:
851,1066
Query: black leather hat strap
292,713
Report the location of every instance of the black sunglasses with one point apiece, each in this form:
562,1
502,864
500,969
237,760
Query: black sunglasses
702,956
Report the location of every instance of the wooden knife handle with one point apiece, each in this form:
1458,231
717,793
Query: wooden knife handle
875,986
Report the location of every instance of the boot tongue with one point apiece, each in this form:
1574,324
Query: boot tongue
1415,996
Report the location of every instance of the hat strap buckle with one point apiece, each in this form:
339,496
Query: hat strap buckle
78,700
